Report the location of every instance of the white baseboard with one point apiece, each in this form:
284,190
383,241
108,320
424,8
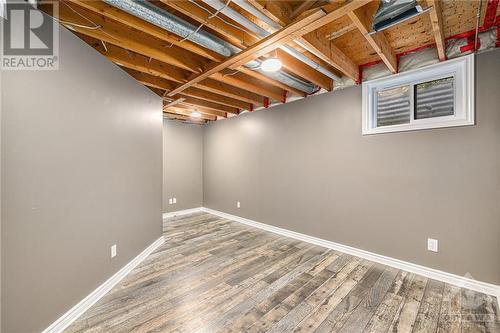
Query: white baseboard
182,212
69,317
435,274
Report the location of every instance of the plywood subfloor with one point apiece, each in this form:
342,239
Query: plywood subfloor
214,275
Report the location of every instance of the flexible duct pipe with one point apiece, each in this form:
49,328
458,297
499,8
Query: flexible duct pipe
234,15
163,19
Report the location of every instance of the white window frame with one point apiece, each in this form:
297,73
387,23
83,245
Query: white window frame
462,69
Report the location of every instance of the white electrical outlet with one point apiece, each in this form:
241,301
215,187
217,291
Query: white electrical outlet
113,251
238,204
432,245
170,201
174,200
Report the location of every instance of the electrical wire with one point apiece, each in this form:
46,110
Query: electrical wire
220,18
96,26
206,21
233,73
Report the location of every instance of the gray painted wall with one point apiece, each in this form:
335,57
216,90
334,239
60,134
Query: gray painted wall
182,165
304,166
81,164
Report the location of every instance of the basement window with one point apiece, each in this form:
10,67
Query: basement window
440,95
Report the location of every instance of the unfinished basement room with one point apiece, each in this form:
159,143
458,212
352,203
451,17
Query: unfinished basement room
225,166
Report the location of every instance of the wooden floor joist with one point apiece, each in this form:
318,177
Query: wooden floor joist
241,39
113,13
171,63
437,27
201,109
119,35
184,118
189,113
157,82
378,41
316,44
306,24
197,102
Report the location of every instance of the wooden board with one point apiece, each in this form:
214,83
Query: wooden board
215,275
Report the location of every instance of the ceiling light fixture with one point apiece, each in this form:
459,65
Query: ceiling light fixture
271,64
195,114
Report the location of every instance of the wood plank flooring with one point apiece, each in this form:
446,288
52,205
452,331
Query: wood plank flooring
215,275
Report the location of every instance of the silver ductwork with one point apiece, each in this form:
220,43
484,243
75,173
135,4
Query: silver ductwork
392,12
237,17
165,20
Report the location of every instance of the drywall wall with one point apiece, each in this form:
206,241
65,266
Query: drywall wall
182,165
81,171
305,166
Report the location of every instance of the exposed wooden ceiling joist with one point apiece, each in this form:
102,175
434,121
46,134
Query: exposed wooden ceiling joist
196,102
437,27
234,35
119,35
378,41
142,64
297,67
300,27
268,80
157,82
170,115
242,39
316,44
211,97
188,113
201,110
108,11
174,102
251,84
230,91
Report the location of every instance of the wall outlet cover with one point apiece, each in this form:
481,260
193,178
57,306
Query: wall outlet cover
113,251
238,204
170,201
432,245
174,200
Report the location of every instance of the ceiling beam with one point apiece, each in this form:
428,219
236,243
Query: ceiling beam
306,24
378,41
235,87
176,116
122,36
202,110
211,97
329,53
184,112
268,80
313,42
209,105
233,35
157,82
296,66
174,102
230,91
251,84
108,11
437,27
305,5
243,39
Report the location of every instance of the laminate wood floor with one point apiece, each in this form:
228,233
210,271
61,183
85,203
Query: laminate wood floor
215,275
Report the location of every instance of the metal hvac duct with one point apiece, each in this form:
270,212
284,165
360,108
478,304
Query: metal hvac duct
392,12
163,19
237,17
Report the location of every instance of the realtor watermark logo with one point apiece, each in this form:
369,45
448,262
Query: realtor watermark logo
30,40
